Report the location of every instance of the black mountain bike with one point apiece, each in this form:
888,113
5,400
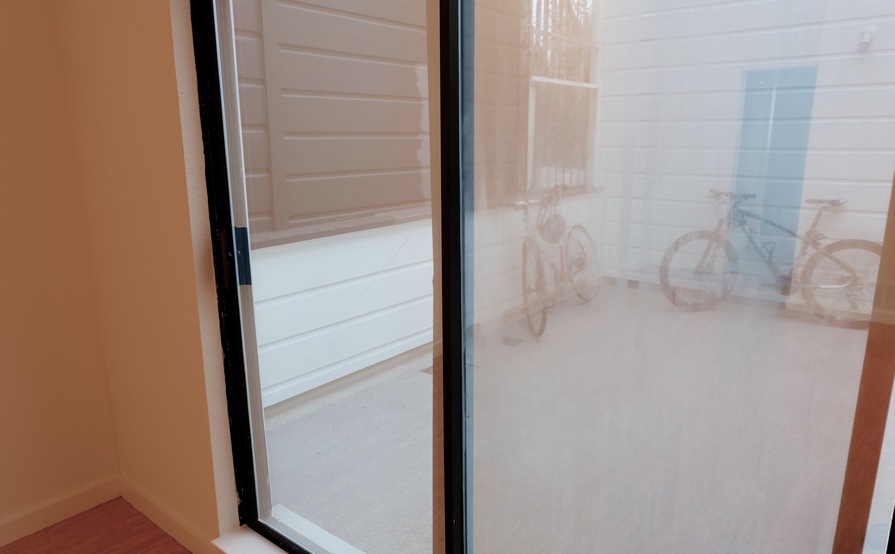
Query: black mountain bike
837,281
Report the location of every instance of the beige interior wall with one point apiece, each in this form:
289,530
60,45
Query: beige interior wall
110,356
57,449
123,96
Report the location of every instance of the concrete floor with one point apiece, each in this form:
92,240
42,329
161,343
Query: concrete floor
354,458
630,426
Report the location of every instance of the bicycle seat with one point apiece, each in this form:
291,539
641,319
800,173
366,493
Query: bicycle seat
823,202
718,195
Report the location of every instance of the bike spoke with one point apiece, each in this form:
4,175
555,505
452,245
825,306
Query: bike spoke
840,281
698,271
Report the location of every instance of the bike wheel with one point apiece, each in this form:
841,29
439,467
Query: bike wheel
698,270
839,281
581,263
534,288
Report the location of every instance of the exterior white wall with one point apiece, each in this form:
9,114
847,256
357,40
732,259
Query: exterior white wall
671,109
672,89
333,99
325,308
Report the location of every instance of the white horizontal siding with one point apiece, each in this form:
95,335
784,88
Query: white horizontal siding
337,259
283,318
311,352
328,307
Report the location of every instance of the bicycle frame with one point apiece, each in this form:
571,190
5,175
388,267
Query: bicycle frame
765,253
837,279
553,253
736,220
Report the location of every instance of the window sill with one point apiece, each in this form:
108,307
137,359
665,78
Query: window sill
245,541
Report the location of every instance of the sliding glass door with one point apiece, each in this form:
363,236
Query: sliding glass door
652,271
674,218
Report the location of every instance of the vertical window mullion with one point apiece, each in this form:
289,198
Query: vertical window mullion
456,55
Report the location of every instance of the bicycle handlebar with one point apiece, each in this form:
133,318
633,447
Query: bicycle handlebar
548,197
717,195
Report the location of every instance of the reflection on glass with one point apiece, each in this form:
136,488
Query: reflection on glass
679,217
333,108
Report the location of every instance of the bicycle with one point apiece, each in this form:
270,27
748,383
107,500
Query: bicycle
570,253
837,282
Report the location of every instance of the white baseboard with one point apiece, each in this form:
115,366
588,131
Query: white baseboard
81,500
161,515
58,509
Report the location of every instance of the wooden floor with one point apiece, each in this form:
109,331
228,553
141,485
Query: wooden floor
115,527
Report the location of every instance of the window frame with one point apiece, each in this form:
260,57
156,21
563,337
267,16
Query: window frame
203,20
456,55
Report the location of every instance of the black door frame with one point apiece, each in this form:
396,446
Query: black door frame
456,77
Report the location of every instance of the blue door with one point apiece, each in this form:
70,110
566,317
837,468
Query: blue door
773,147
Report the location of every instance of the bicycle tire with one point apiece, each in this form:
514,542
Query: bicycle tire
534,288
841,295
685,284
582,263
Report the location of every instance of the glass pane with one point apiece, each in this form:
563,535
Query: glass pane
329,118
678,226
